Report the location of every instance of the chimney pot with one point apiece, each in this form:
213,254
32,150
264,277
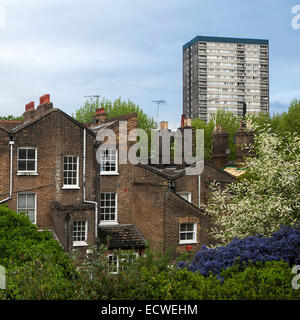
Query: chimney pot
45,99
100,111
100,116
163,125
29,106
182,120
188,122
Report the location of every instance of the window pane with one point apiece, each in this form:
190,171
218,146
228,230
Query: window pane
30,165
190,236
22,201
22,165
30,201
31,154
22,153
31,215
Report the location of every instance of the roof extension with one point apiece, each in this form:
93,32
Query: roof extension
121,236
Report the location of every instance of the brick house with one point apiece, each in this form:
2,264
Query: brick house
49,169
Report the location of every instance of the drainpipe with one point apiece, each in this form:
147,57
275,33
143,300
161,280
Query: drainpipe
84,185
68,218
11,145
199,190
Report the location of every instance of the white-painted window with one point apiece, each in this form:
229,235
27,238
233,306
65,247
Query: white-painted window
80,233
27,203
113,263
115,266
71,172
27,160
108,162
187,233
185,195
108,208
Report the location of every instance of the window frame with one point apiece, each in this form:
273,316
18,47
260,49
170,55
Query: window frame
122,259
70,186
190,241
185,192
117,264
110,173
109,222
80,243
27,172
35,204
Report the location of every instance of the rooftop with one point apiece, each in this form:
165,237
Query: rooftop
122,236
226,40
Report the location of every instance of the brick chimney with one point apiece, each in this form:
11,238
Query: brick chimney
163,125
44,105
186,123
30,111
220,147
243,137
100,116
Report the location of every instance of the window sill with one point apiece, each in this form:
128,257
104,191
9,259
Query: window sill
108,223
188,242
109,173
24,173
80,244
70,188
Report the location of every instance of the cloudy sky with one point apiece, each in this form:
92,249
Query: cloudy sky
131,49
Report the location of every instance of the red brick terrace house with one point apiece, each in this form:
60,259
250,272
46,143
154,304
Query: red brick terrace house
49,169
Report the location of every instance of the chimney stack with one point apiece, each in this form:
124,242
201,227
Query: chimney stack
30,112
45,104
182,121
186,123
220,147
163,125
243,138
100,116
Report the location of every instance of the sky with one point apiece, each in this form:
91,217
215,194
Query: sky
131,49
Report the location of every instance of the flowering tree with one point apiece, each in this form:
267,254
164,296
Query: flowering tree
266,197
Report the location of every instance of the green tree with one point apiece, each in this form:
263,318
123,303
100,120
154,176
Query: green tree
118,107
268,194
227,121
281,123
11,117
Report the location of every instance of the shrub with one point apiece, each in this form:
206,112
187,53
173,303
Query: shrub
36,265
281,245
270,280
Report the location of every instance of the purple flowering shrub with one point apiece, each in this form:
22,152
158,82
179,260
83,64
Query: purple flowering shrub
283,244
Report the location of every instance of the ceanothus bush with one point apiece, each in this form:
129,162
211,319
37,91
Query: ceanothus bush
283,244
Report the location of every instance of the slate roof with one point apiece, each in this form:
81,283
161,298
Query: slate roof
173,172
110,122
9,124
122,236
14,126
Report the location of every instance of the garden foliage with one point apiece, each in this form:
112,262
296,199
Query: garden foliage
283,244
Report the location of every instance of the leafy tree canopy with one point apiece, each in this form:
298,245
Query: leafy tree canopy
227,121
118,107
268,194
11,117
281,123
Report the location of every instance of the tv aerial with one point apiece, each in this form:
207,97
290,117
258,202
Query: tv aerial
93,97
158,102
